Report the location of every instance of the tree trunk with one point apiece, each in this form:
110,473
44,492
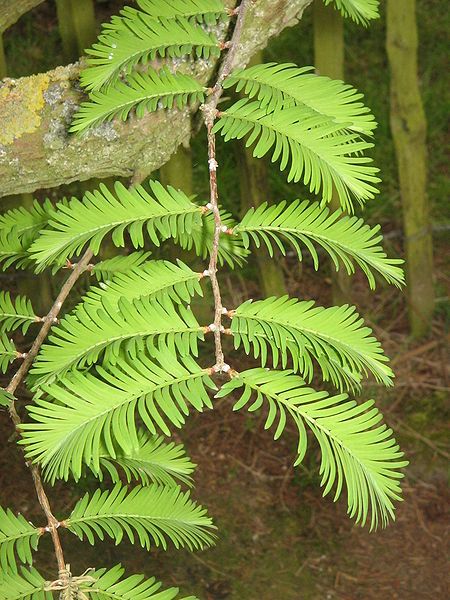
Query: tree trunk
3,69
37,152
77,26
408,126
177,172
254,190
329,61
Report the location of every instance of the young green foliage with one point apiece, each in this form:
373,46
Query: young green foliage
154,514
278,86
123,367
335,337
127,42
360,11
16,314
8,352
142,93
18,538
345,239
165,213
109,585
26,585
88,413
344,431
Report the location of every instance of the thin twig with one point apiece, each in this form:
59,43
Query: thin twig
210,113
47,322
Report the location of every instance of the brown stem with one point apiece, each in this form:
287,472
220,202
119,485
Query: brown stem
48,321
210,114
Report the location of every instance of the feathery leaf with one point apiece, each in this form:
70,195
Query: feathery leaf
17,539
105,269
26,585
202,11
356,450
343,237
80,339
6,398
16,314
91,414
153,514
165,214
335,337
13,250
277,86
8,352
18,229
231,249
153,461
157,278
360,11
108,585
143,93
125,42
26,222
319,152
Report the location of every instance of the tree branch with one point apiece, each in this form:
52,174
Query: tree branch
12,10
210,113
37,152
48,321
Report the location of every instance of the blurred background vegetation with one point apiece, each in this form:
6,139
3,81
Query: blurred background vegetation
276,538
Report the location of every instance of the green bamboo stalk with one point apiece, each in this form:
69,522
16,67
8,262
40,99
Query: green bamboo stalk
409,130
329,61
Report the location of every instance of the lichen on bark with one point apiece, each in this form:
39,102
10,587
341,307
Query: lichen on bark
21,104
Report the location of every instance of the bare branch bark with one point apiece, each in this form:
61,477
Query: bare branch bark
37,152
12,10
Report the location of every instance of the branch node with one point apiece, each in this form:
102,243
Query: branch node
232,12
213,164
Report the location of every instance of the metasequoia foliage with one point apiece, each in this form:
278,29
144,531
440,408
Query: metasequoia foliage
124,368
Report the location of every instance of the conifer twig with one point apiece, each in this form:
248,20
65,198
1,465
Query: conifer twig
209,114
47,322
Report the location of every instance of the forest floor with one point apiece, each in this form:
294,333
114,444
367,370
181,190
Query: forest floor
278,538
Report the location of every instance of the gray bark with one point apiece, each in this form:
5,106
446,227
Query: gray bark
37,152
